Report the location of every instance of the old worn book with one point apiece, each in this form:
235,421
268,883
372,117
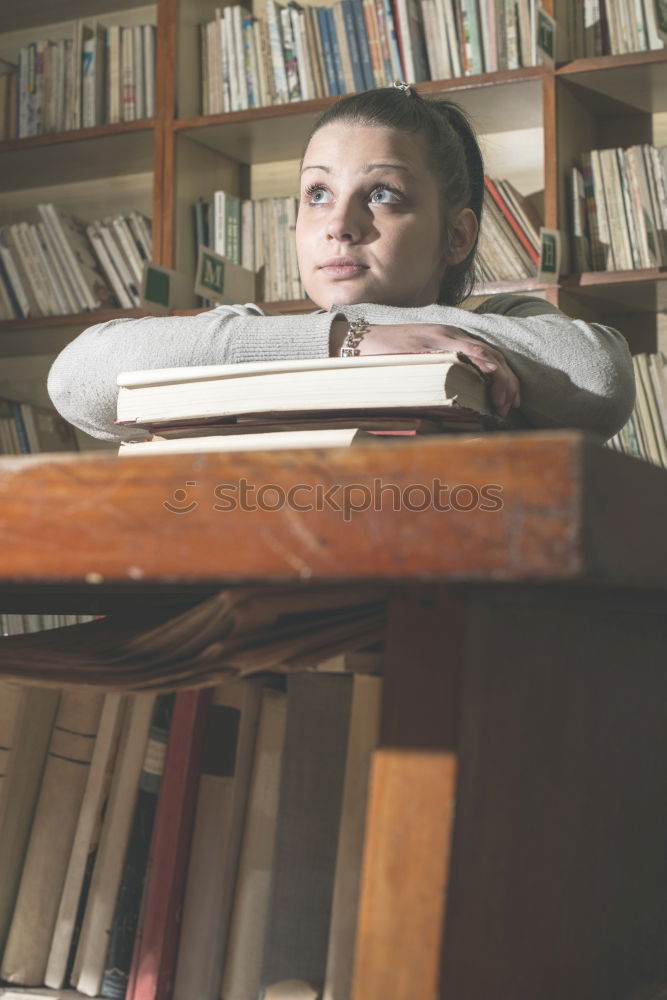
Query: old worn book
236,632
51,837
245,945
92,951
154,956
436,382
229,746
10,707
86,839
130,893
28,744
310,802
363,737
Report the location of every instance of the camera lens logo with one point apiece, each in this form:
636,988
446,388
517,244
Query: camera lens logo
180,504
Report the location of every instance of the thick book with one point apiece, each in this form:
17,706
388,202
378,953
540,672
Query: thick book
323,437
26,736
363,737
395,382
154,956
245,944
53,829
231,731
310,801
128,903
85,843
93,944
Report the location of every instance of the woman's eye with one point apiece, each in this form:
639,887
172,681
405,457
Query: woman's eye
317,195
384,196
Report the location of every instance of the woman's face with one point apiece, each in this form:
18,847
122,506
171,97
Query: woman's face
370,226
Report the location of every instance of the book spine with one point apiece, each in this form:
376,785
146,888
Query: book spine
276,41
374,43
509,216
154,956
24,444
310,800
148,31
126,916
17,299
362,43
290,57
332,82
335,50
25,759
63,785
606,250
84,846
343,48
398,65
242,972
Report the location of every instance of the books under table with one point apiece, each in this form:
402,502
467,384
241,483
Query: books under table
304,402
234,633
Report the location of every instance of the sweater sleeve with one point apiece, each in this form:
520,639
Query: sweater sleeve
571,373
82,380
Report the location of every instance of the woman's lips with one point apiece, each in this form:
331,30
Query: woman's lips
342,267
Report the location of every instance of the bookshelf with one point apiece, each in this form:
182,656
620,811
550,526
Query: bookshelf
533,121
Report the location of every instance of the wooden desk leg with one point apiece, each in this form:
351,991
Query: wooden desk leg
411,801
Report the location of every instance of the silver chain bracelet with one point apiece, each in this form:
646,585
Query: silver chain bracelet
350,348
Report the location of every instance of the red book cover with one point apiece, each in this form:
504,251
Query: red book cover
154,956
509,215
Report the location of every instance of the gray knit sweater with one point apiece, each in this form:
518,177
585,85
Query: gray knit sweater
572,374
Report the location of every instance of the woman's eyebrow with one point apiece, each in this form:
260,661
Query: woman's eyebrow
369,167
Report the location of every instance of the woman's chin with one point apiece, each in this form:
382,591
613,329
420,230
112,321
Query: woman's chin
342,293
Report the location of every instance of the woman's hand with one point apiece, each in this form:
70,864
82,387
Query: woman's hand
425,338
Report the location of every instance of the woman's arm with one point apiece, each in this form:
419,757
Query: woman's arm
82,379
571,373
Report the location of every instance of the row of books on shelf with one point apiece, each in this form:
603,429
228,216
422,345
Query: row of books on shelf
618,200
59,265
19,624
26,429
294,53
241,807
613,27
645,434
100,75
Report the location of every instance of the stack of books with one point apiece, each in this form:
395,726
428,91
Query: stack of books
618,201
645,434
327,402
96,76
295,53
60,265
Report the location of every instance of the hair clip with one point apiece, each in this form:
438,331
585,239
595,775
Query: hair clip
405,87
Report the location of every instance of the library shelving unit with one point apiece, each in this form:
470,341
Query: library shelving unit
533,122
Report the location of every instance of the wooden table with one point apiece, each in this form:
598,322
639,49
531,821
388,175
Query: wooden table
525,681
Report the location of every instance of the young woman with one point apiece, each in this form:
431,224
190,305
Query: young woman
390,206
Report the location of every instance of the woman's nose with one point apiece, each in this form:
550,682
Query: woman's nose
346,221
